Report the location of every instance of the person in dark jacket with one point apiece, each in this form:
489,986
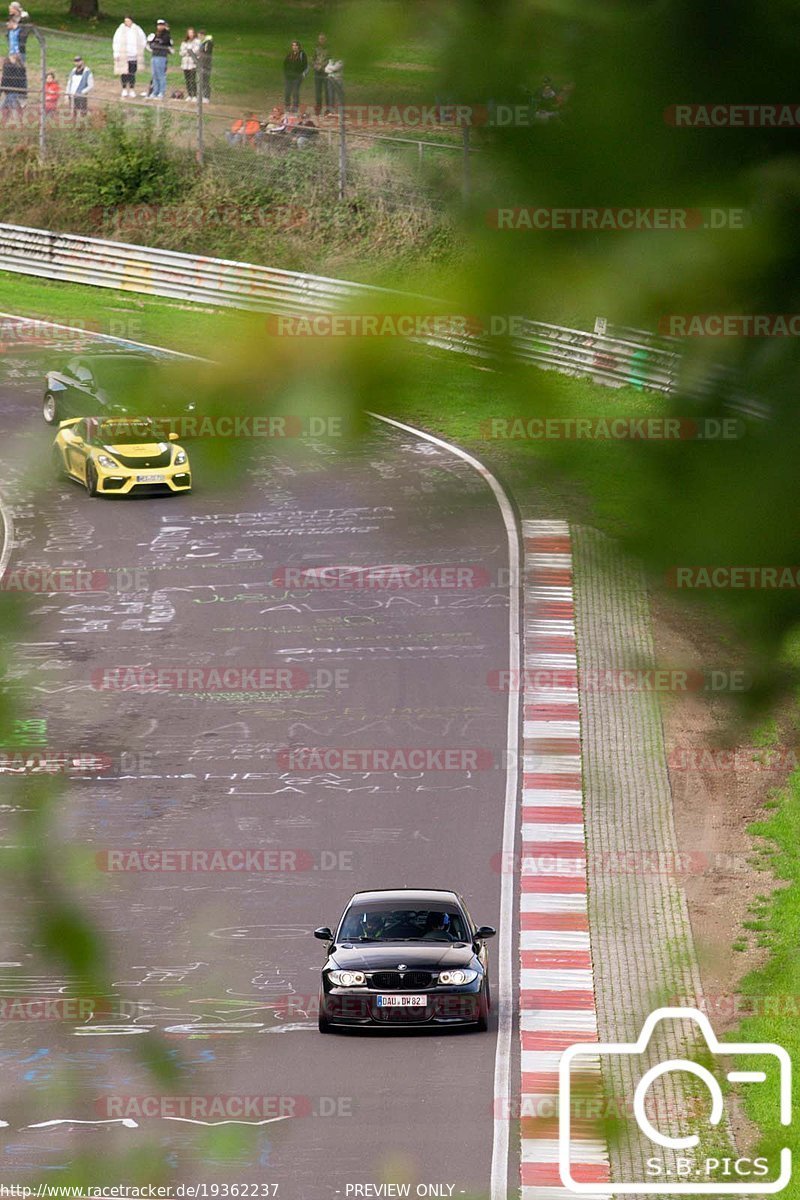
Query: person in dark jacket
322,56
205,61
13,88
160,46
295,68
19,28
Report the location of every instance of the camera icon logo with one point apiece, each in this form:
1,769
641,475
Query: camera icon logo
684,1169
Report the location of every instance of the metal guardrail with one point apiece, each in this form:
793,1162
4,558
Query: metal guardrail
220,282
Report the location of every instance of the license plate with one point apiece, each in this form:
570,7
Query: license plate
402,1000
149,478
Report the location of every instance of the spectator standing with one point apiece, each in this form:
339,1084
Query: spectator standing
322,57
13,88
18,29
190,50
128,49
80,82
160,46
295,69
334,71
206,61
52,94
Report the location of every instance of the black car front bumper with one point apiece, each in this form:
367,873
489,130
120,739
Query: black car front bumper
444,1006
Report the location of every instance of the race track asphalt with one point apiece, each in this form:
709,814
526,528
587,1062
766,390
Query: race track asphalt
223,963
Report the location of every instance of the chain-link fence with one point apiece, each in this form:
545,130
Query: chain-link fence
222,137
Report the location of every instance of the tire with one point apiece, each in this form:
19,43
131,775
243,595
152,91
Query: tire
91,480
482,1023
50,410
58,462
323,1024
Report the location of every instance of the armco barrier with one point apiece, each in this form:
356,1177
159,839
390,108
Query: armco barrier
214,281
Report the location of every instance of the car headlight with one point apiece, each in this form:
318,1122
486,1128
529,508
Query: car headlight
107,462
458,976
348,978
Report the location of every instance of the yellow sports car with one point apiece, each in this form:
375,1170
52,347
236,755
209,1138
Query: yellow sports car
120,457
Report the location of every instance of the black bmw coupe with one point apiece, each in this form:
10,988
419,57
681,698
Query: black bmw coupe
405,958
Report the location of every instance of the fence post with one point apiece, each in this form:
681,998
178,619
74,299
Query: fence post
201,84
37,33
342,144
466,188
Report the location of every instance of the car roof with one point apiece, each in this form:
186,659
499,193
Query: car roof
417,895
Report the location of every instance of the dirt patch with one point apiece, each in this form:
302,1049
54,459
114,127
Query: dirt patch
720,783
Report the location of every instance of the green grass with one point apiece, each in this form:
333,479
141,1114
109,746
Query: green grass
250,43
774,989
190,328
442,392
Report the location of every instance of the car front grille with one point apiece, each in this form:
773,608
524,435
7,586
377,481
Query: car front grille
402,981
152,489
402,1016
143,462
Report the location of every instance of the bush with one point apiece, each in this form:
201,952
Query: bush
118,164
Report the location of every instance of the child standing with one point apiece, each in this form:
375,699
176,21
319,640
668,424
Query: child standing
52,94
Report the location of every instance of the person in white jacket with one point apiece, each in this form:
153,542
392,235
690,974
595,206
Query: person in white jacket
190,48
128,49
80,82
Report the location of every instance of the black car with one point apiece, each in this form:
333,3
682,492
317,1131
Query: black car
107,384
405,957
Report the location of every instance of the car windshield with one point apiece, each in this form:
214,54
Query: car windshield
385,923
123,433
118,369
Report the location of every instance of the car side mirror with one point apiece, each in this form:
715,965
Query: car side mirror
324,934
485,931
77,440
172,437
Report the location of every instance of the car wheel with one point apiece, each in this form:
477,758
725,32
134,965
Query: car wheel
323,1024
57,461
91,480
50,409
482,1024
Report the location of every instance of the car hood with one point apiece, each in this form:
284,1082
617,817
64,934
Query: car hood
138,450
148,404
416,955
